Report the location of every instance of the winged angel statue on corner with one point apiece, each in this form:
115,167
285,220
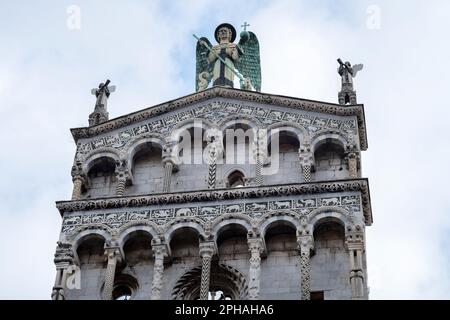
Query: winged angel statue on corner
220,63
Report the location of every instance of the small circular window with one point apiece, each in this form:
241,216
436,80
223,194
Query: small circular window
122,292
125,287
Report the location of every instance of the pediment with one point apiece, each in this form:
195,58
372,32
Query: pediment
217,105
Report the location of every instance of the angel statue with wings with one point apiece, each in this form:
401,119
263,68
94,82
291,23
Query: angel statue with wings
220,63
348,72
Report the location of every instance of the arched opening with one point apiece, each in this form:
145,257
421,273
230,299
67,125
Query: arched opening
283,148
147,169
329,158
232,245
226,283
184,245
125,287
330,262
238,144
235,179
191,146
102,179
90,252
281,244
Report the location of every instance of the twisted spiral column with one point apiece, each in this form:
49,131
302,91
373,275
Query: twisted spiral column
305,245
212,168
206,252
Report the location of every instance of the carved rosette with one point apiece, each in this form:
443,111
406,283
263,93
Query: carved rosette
207,250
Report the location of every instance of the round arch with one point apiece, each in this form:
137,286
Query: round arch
232,120
293,128
90,160
193,223
177,130
126,231
320,215
326,135
289,218
225,221
84,234
135,145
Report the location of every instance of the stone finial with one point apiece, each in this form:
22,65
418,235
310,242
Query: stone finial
347,95
100,113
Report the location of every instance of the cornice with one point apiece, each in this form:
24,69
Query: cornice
230,93
361,185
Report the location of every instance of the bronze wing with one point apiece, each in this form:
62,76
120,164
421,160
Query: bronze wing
202,64
250,64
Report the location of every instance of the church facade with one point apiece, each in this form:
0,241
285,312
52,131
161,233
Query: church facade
160,210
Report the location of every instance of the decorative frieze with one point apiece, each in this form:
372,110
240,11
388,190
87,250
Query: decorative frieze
254,209
215,112
216,92
360,185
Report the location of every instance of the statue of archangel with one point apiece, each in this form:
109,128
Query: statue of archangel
220,63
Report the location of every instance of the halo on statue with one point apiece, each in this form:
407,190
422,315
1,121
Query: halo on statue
229,26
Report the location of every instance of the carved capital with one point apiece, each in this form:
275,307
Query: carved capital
207,249
305,243
159,249
169,154
354,237
121,171
112,251
64,255
255,246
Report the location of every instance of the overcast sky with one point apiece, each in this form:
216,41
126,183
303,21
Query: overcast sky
146,48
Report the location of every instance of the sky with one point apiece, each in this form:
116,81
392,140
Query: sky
53,53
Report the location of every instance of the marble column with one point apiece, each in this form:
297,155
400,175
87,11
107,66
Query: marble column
159,252
354,240
306,161
113,256
168,169
260,155
352,158
64,258
305,245
207,250
215,152
255,246
78,181
169,161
